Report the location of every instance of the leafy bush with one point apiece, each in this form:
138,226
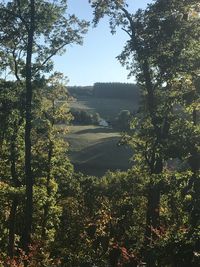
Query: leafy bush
122,121
84,117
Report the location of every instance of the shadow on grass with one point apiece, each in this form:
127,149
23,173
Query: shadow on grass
101,157
96,130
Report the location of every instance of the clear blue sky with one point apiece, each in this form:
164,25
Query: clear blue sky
95,60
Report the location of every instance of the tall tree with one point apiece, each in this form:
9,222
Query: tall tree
12,121
155,52
32,32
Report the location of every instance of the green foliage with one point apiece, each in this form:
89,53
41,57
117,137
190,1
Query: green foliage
84,117
53,31
123,120
116,90
162,39
108,208
32,32
50,169
149,213
81,90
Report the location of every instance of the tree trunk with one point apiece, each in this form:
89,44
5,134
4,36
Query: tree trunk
50,154
46,207
12,222
156,166
194,162
153,213
28,171
12,217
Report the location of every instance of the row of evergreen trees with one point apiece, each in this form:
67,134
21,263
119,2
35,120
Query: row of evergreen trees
107,90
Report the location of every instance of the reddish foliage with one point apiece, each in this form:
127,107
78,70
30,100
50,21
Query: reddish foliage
120,257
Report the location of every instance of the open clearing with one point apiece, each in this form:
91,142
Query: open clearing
95,150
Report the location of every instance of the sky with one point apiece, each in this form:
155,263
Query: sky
95,60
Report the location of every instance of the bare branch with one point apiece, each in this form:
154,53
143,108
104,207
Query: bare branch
128,16
130,35
50,56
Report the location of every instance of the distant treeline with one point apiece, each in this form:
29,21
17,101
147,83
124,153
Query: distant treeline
116,90
109,90
80,90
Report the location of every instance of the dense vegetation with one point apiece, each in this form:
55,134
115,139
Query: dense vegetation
108,90
81,90
149,215
116,90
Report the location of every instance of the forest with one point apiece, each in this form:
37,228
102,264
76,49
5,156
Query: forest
51,215
109,90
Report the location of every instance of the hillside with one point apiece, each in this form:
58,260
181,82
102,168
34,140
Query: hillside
95,149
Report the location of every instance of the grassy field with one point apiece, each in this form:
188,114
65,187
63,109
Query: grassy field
95,150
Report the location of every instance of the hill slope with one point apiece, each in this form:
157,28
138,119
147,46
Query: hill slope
94,150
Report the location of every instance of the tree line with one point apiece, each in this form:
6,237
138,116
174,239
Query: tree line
107,90
116,90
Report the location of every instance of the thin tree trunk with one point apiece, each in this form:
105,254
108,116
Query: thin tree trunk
28,171
50,154
12,217
153,198
153,210
46,207
12,223
194,162
156,164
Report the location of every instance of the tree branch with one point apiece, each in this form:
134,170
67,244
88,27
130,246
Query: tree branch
15,66
130,35
50,56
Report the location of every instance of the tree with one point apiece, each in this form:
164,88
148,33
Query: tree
155,52
32,32
123,120
12,122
